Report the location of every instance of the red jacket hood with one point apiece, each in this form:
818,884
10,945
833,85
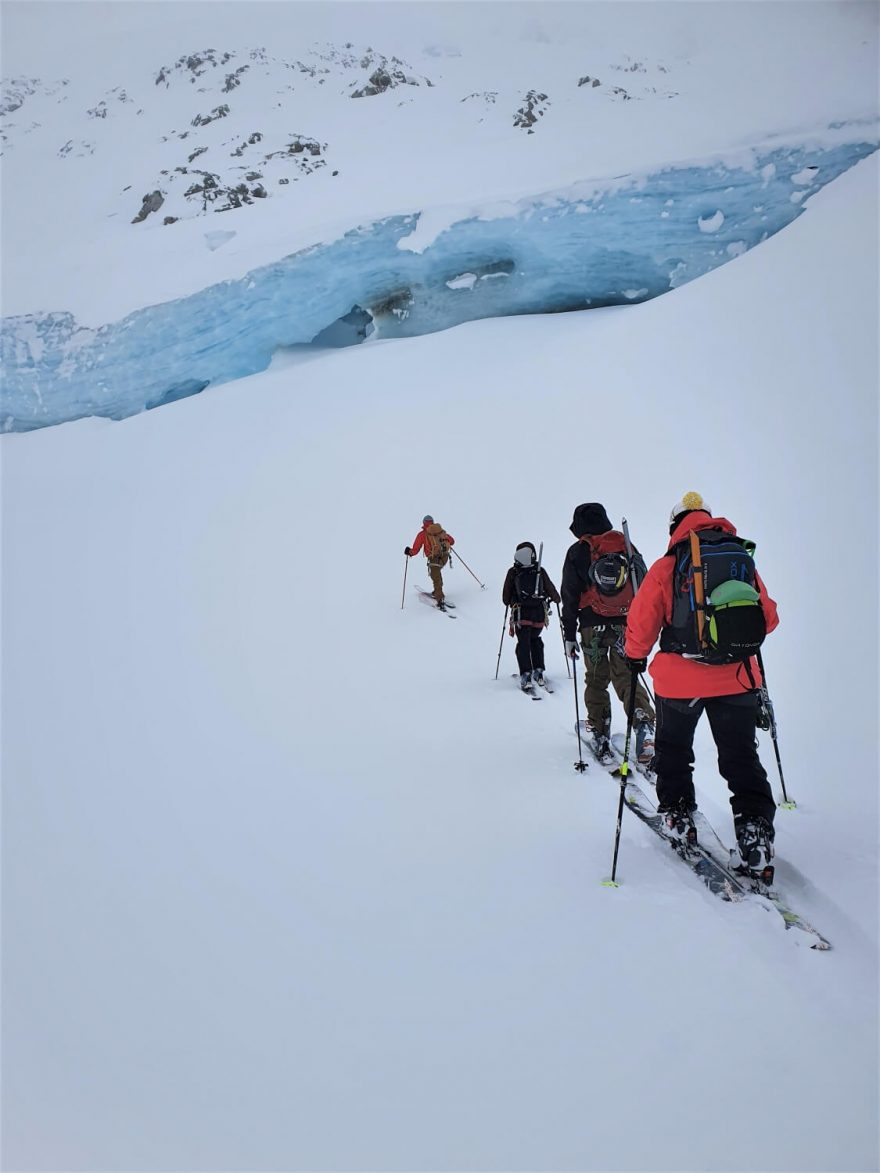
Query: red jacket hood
698,520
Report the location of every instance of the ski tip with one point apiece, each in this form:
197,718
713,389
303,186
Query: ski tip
610,884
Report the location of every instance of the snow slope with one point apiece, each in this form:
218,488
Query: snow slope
290,882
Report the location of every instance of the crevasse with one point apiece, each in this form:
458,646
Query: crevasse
598,243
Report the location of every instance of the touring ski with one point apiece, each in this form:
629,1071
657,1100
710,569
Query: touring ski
709,859
530,691
427,598
608,761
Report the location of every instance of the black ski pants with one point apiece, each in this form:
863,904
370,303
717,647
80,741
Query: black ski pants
529,648
732,720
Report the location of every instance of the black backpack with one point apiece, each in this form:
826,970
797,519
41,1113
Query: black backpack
532,606
717,615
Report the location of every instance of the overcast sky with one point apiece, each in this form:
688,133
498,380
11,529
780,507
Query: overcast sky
40,37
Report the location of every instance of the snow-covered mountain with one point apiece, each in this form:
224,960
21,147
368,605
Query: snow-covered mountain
289,880
190,114
261,137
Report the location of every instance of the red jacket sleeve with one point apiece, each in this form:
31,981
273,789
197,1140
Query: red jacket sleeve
648,612
771,614
419,542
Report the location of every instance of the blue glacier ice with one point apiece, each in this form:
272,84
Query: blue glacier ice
600,243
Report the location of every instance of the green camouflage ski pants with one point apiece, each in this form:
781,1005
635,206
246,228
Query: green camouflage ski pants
603,664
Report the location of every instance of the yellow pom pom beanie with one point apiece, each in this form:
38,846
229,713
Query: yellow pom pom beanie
688,502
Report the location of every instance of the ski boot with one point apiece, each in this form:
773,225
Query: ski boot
525,683
644,738
538,676
600,743
754,849
678,821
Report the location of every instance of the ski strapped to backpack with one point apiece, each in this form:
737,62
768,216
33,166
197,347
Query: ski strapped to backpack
717,615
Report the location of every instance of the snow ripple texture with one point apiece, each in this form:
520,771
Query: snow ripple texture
598,243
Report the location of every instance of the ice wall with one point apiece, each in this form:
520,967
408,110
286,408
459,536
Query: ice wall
599,243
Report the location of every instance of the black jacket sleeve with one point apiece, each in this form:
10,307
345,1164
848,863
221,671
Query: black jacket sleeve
575,580
507,591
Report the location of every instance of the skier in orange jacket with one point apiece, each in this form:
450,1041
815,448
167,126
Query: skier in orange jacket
435,543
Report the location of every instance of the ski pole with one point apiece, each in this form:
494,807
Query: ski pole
405,569
562,634
501,645
468,569
787,803
624,525
624,774
580,764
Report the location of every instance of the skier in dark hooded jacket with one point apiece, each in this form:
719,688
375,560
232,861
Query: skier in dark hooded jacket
601,639
524,591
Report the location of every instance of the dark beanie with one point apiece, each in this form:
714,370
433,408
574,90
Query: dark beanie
590,519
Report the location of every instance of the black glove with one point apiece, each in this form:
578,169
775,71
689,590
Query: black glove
408,552
637,666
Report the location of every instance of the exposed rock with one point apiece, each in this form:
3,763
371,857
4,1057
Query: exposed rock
170,220
153,201
15,91
198,151
78,150
305,152
223,197
194,64
234,79
398,303
204,119
532,109
589,81
251,140
387,74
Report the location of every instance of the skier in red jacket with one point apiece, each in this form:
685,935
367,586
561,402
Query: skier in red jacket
436,543
686,685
